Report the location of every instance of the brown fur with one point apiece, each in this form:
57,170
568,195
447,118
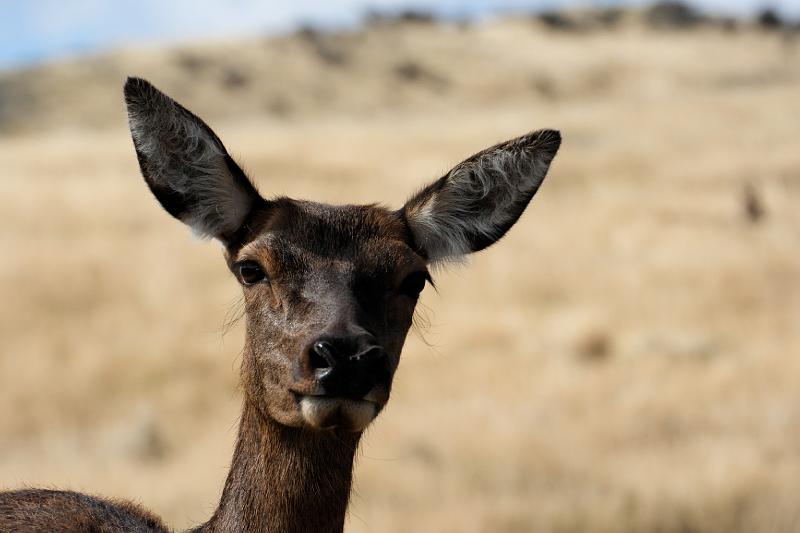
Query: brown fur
70,512
285,479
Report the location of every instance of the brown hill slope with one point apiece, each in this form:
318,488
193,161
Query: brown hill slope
404,66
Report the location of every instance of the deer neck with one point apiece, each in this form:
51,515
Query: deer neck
285,479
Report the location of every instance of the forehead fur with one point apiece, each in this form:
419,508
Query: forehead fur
324,230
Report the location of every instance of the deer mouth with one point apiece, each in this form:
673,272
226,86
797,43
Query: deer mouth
329,412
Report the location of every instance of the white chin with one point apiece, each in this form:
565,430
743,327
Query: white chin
322,412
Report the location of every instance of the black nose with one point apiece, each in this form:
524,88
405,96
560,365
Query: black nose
348,367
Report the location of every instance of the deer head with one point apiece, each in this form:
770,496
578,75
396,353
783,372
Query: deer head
329,291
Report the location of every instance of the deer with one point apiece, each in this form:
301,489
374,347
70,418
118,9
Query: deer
329,297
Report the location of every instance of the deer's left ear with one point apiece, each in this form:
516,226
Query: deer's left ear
185,164
476,203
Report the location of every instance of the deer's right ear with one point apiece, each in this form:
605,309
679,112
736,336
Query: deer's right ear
185,164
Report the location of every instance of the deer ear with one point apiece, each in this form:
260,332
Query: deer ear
476,203
185,164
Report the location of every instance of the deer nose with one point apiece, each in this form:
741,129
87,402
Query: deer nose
348,368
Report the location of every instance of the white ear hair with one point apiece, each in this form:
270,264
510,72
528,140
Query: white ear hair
476,203
186,165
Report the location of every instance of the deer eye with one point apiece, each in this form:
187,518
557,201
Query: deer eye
249,272
414,283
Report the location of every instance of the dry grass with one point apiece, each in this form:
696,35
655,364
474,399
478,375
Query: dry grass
626,360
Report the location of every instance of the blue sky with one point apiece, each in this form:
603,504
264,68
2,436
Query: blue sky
37,30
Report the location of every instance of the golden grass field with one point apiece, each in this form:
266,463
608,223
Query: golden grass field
627,359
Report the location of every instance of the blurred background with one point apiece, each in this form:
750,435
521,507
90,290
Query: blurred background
627,359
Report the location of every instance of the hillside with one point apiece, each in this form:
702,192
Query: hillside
411,63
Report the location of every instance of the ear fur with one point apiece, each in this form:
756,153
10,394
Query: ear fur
477,202
185,164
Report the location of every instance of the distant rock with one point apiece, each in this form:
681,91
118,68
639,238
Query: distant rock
671,14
